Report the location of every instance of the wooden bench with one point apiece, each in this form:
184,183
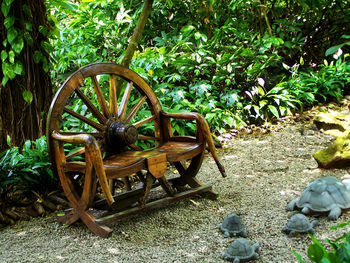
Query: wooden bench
98,139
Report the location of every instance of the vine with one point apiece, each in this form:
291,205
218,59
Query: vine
18,23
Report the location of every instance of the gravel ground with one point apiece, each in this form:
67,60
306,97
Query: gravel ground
264,172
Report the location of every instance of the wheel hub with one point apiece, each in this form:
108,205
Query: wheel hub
122,134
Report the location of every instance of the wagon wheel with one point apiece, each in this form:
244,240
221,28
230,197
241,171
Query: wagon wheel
87,104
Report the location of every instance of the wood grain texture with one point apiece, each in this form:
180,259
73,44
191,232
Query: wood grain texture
103,162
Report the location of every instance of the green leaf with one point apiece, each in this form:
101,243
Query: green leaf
340,225
45,64
4,55
29,26
27,10
11,34
333,258
9,2
8,140
65,5
7,70
18,68
274,111
187,29
5,79
301,61
5,8
46,46
288,44
28,39
37,56
11,56
170,3
333,49
9,21
27,96
315,252
299,257
43,30
18,45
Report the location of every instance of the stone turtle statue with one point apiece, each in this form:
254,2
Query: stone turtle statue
325,194
241,251
299,223
232,226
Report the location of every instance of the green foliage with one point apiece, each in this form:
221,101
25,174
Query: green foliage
13,44
213,62
25,170
327,81
319,254
91,32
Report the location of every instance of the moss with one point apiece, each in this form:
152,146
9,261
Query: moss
336,155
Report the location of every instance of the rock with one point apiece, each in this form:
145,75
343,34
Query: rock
329,121
4,219
336,155
39,208
12,213
31,211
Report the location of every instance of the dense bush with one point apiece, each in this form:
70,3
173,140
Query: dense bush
229,61
25,170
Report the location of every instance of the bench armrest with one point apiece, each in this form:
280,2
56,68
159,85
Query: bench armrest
205,130
93,150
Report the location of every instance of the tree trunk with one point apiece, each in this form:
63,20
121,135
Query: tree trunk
135,38
19,119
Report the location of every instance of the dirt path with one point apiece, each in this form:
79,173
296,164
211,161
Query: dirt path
264,172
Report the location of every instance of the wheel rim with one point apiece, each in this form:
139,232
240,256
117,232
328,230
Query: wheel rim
88,102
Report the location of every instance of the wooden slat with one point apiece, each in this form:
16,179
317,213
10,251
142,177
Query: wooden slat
141,122
100,97
125,100
86,197
154,205
91,107
113,106
135,109
85,119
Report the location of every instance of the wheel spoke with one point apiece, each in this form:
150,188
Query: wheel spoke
135,147
113,107
135,109
75,153
141,122
100,98
125,100
95,134
141,137
92,108
94,124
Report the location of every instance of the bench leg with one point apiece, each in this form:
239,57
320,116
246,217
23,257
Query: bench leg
88,219
147,188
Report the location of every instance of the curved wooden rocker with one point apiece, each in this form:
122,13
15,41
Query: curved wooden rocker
94,137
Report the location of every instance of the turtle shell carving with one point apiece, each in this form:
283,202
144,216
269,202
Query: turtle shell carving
241,251
325,194
299,223
232,226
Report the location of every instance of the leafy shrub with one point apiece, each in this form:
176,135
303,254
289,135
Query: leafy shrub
212,63
327,81
25,170
319,254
